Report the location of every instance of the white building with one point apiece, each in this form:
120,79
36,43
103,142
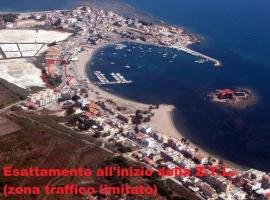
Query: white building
45,97
71,21
9,25
238,194
83,102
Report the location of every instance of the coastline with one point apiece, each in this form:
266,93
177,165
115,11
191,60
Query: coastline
162,121
84,58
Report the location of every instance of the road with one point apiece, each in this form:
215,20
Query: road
5,109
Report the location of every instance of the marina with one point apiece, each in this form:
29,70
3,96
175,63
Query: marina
119,79
216,62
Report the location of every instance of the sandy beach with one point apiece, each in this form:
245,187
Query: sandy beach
162,120
84,58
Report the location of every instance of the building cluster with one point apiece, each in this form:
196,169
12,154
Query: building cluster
157,150
101,25
231,94
44,97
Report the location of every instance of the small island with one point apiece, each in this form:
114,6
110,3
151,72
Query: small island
238,97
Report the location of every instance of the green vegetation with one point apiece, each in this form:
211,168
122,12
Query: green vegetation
55,81
10,93
9,17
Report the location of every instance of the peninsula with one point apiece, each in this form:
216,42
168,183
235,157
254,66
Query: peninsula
57,45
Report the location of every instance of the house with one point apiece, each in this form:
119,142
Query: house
148,160
45,97
207,190
9,25
124,118
83,102
30,105
225,94
146,129
266,182
200,159
71,21
77,110
238,194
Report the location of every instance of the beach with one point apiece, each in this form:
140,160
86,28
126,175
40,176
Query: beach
162,120
81,66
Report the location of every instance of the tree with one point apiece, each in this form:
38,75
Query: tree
74,119
10,17
137,113
136,121
57,23
136,129
15,108
22,97
97,134
70,111
76,98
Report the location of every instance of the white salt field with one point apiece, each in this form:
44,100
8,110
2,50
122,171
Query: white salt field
32,36
17,44
13,54
29,53
9,47
30,47
21,73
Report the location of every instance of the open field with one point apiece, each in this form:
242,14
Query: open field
21,73
7,126
29,23
43,143
9,93
31,36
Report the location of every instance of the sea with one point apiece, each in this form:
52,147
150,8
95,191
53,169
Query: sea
235,32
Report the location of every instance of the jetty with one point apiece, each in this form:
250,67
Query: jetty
119,79
195,53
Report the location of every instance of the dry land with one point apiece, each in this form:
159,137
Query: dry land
17,44
31,36
7,126
20,72
42,142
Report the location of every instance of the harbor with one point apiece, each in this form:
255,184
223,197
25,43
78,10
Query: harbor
216,62
119,79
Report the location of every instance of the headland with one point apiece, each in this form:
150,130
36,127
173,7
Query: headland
100,114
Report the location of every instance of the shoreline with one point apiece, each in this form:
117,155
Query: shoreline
162,121
84,58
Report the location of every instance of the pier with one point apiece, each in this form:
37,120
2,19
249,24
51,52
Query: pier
119,79
195,53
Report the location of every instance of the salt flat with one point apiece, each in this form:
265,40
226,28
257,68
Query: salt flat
30,47
21,73
13,54
18,70
31,36
28,53
9,47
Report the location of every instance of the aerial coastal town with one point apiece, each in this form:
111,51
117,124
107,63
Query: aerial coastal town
54,48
